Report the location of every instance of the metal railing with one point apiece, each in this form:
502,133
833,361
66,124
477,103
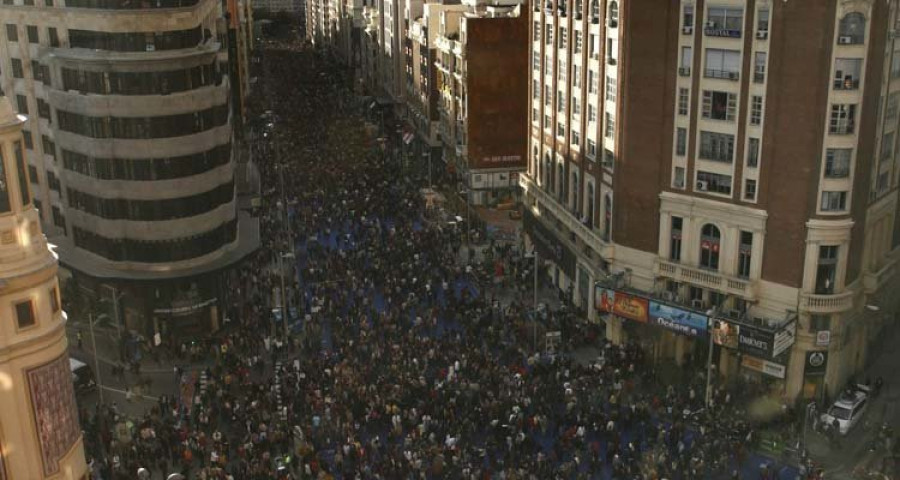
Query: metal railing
722,74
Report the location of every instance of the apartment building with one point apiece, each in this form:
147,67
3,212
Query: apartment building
753,166
421,95
482,116
129,149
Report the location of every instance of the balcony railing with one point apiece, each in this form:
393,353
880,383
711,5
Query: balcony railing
741,287
848,83
587,235
722,74
846,127
840,302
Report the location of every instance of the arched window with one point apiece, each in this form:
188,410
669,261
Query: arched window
590,206
535,161
613,14
710,240
579,6
575,190
852,30
607,217
595,11
560,182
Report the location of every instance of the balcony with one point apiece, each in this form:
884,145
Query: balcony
847,83
873,281
711,29
444,44
587,235
700,277
821,304
723,74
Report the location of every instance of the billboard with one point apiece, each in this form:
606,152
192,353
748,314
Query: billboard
630,307
678,320
604,299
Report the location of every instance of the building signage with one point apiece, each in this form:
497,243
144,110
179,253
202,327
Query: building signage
548,246
604,299
501,159
816,363
725,334
183,309
678,320
784,338
754,341
763,366
823,338
630,307
721,32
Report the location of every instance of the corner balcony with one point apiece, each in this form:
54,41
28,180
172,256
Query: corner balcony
821,304
701,277
547,201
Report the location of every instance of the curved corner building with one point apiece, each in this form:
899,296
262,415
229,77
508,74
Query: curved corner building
130,151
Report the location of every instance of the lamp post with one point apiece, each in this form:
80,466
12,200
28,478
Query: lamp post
534,254
91,323
712,313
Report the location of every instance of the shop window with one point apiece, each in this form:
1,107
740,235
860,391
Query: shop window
25,314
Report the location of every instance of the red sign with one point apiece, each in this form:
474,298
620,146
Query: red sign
630,307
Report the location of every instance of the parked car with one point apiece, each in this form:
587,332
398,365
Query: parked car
847,409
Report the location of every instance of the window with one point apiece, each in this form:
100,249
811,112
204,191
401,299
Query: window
548,37
576,76
560,129
595,11
25,314
592,81
847,72
589,217
893,102
54,300
535,116
591,148
54,37
17,70
852,30
724,64
687,17
826,269
32,32
895,65
675,239
536,61
547,120
762,20
714,183
759,67
687,58
679,177
579,6
33,175
594,46
681,141
745,248
592,113
29,141
563,38
610,125
560,102
36,70
536,89
610,89
837,162
613,14
834,201
548,97
819,323
537,31
719,105
724,22
49,146
24,188
562,71
750,190
576,107
756,106
683,97
576,138
578,42
12,32
843,119
887,146
22,104
710,239
718,147
752,152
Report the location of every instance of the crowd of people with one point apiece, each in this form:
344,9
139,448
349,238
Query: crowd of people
398,366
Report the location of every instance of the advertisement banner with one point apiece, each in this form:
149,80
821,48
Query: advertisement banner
678,320
726,334
763,366
630,307
816,363
604,298
755,341
548,246
784,338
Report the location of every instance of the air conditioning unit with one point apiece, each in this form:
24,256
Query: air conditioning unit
845,40
702,185
762,34
732,75
687,30
697,303
710,24
684,71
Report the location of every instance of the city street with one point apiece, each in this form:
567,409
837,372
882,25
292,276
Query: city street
409,358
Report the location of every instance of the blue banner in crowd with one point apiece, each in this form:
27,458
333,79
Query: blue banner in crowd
678,320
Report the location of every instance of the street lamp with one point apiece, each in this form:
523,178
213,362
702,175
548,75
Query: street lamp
91,324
